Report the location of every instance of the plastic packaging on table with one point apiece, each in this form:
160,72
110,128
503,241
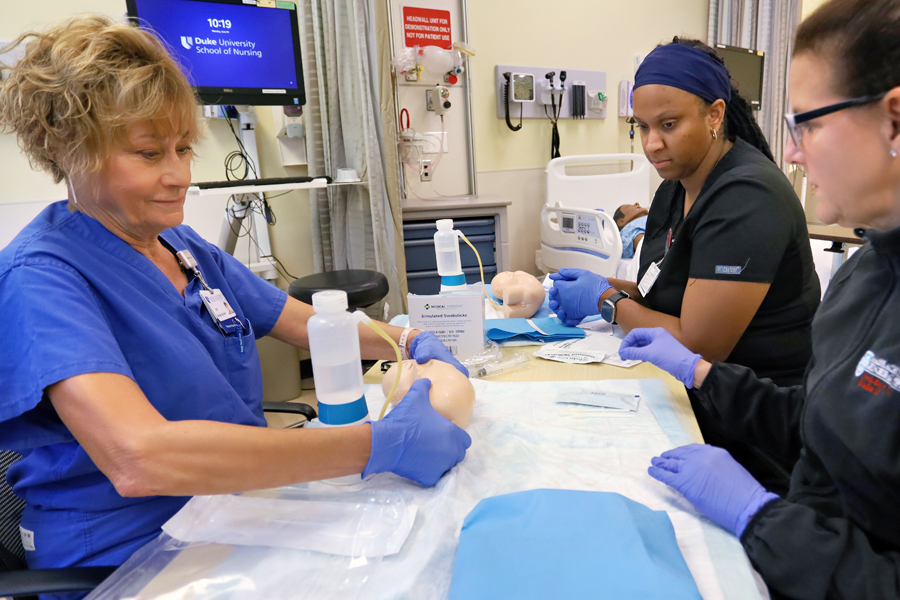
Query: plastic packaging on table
290,534
492,361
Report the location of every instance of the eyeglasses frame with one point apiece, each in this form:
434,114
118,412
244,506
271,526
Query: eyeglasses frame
793,121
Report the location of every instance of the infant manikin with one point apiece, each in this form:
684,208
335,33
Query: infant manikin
451,394
521,292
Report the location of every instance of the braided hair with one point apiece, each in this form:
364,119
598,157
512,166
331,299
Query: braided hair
739,118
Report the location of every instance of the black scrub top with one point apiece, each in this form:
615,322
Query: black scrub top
746,225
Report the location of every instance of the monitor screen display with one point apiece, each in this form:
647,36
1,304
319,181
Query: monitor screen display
746,68
232,51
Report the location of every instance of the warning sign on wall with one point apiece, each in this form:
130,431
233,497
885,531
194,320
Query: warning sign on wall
426,27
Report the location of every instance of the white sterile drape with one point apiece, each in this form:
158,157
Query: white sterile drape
353,225
766,25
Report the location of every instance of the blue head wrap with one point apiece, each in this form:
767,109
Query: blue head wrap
686,68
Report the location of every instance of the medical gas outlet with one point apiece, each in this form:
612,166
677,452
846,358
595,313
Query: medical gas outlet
437,99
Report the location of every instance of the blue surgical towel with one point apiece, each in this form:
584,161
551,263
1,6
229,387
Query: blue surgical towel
568,544
544,331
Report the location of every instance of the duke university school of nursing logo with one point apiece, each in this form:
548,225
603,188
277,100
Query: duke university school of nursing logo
187,41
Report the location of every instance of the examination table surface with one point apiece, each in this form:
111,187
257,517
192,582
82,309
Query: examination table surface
424,565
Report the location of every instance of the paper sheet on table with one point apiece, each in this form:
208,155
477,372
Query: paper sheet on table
372,528
597,346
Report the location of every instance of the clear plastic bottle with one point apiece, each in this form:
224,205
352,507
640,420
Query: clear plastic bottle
446,250
334,350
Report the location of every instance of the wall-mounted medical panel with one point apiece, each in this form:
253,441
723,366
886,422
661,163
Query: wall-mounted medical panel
530,92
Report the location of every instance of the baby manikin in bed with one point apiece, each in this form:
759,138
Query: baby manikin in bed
521,292
632,222
451,394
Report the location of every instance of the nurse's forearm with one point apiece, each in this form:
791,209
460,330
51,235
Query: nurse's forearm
631,315
144,454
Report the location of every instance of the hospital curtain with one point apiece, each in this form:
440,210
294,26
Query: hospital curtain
767,25
354,226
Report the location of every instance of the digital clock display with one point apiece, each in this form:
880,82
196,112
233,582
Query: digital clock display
226,23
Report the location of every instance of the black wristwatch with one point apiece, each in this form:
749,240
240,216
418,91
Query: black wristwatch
608,308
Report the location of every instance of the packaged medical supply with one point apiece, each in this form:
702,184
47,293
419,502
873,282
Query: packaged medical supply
456,318
375,523
536,331
334,351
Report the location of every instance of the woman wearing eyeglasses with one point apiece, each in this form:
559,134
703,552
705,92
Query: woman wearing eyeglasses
836,533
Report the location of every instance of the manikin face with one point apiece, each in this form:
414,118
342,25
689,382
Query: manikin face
675,128
846,154
451,393
631,212
140,190
521,292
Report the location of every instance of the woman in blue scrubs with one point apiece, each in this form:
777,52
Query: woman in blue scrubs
121,391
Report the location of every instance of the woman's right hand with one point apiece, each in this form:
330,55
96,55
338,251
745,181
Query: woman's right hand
416,442
658,346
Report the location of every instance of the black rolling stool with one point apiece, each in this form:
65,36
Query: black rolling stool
363,288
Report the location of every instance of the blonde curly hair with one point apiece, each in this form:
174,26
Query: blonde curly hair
80,84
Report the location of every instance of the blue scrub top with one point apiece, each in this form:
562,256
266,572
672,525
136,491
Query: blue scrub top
77,299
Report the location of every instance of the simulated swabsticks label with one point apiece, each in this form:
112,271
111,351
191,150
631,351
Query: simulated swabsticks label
343,414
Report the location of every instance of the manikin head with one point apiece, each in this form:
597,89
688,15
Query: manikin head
521,292
627,213
451,394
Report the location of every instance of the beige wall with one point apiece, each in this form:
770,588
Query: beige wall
808,6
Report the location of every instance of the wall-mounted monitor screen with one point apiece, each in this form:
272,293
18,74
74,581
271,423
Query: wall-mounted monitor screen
746,68
232,51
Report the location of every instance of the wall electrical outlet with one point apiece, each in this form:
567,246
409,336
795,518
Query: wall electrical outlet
425,170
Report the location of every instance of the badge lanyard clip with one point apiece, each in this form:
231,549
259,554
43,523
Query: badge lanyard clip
222,314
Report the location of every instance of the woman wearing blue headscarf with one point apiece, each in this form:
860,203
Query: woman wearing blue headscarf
726,266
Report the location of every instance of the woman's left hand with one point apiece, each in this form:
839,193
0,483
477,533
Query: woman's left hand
576,294
426,346
715,483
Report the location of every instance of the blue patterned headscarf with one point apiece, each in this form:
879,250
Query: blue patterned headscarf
686,68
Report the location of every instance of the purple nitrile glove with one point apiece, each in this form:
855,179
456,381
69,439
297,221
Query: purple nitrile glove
416,442
576,294
715,483
426,346
656,345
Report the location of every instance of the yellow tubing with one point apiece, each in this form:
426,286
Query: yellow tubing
390,395
480,268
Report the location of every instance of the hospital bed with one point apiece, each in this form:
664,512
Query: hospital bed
577,226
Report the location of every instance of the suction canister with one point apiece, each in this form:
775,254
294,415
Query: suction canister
334,350
446,249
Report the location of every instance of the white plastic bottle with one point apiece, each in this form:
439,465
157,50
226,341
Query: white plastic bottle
446,250
334,350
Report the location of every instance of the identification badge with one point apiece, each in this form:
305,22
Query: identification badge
649,279
27,538
220,310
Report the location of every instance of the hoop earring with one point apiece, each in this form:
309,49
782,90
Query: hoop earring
715,134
